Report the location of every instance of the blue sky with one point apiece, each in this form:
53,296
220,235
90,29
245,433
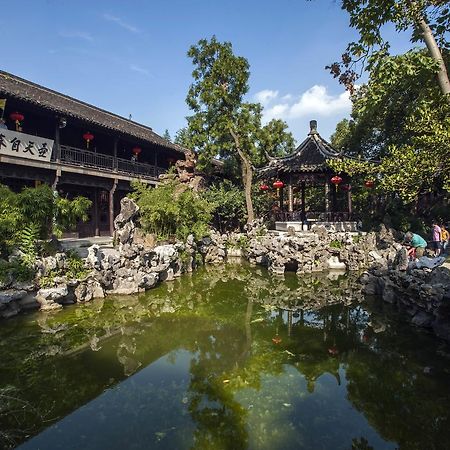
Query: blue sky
129,57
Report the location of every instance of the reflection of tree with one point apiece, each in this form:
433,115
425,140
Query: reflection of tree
226,318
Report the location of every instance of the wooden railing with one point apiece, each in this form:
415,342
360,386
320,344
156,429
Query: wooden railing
84,158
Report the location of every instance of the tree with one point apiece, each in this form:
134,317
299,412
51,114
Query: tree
166,135
401,120
182,138
223,124
429,21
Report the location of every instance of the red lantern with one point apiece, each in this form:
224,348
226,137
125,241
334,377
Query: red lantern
369,184
264,187
88,138
346,187
17,117
278,184
336,180
136,151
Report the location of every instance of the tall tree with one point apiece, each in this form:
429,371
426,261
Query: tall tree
401,120
166,135
429,21
223,124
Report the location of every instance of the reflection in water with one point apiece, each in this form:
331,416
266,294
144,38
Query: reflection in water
229,357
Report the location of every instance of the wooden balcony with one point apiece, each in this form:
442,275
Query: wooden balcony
106,163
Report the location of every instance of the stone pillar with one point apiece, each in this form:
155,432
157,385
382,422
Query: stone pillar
111,208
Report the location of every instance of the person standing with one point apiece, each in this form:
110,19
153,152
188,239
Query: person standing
444,237
436,231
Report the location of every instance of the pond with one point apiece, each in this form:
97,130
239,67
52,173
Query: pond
229,357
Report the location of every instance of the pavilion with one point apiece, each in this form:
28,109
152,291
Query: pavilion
314,193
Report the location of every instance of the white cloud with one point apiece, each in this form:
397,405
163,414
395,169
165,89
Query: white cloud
77,35
265,96
139,69
316,101
121,23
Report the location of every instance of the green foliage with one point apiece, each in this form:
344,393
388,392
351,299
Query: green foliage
400,120
336,244
427,20
223,124
166,135
69,212
75,270
228,205
27,238
15,270
170,210
33,212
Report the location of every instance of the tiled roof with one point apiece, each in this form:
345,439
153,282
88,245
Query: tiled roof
310,156
29,92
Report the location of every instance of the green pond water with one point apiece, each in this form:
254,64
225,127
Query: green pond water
227,358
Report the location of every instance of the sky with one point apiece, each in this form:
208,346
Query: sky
129,56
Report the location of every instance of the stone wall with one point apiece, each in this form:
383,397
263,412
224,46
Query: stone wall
136,264
422,295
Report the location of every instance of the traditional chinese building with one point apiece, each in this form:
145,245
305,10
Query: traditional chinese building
77,148
310,192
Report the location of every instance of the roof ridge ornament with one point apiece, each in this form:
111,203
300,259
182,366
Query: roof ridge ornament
313,127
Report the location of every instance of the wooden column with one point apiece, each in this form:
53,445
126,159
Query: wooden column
156,162
290,196
327,197
349,201
56,144
95,213
111,208
303,186
116,142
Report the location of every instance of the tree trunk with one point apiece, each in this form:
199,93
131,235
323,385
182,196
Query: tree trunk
435,52
247,177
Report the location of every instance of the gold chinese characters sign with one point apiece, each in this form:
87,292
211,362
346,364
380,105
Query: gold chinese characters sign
21,145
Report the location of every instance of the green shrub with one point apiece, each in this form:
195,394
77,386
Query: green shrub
336,244
171,210
228,203
36,211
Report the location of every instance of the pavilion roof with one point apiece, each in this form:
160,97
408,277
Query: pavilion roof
310,156
21,89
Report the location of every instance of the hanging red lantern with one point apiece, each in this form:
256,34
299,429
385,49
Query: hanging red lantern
369,184
264,187
88,138
278,184
336,180
136,151
17,117
346,187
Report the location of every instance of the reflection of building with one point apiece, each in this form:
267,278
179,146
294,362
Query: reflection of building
77,148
